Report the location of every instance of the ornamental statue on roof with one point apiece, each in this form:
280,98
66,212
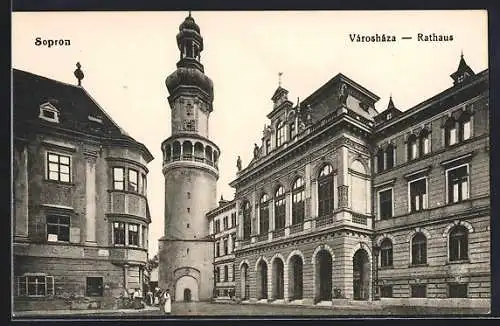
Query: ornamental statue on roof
342,93
238,163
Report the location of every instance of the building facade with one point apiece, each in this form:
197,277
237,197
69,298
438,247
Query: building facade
222,223
190,167
341,202
80,210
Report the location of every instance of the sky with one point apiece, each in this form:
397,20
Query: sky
126,57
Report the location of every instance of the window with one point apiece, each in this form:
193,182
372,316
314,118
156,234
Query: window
49,112
457,290
133,234
458,243
412,147
380,160
232,274
132,180
217,226
264,214
292,130
119,233
58,228
58,167
225,222
279,208
280,134
226,273
419,249
233,219
35,285
94,287
389,116
386,253
325,191
143,184
424,141
247,226
225,247
298,201
268,146
217,249
450,132
119,178
418,291
418,195
385,204
464,125
458,183
218,273
386,291
389,152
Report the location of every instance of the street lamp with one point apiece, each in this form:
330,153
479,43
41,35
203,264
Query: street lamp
376,252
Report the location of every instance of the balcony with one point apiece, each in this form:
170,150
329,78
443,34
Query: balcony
324,221
359,218
296,228
278,233
262,237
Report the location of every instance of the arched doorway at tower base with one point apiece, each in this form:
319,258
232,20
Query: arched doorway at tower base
186,289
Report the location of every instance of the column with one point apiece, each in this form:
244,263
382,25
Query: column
271,218
343,177
288,212
139,229
125,276
90,198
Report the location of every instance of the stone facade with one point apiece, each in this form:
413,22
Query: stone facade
392,204
67,201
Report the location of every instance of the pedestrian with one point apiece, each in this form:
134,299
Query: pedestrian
168,302
149,297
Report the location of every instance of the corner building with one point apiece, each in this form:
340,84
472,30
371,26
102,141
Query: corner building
190,167
80,210
341,202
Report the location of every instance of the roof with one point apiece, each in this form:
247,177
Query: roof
73,102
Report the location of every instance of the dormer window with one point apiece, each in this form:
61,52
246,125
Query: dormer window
389,116
95,119
49,112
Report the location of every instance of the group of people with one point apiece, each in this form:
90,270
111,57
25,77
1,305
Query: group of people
160,298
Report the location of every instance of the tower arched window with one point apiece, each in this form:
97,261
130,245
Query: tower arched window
424,142
464,127
419,249
325,191
247,222
279,208
291,130
389,154
380,160
450,132
386,253
298,201
412,147
264,214
458,243
280,134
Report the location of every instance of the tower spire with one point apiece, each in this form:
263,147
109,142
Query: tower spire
279,78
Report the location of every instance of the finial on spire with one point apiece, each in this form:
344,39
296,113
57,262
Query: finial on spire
79,73
461,54
189,13
279,78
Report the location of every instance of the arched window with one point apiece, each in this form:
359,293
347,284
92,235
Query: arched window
291,130
358,190
325,191
247,223
264,214
386,253
450,132
464,127
419,249
412,147
380,160
298,201
424,142
458,243
279,208
389,152
280,134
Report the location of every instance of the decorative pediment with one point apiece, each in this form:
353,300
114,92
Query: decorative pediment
49,112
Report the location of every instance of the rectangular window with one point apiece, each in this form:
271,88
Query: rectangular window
390,157
218,274
133,235
452,136
268,146
418,195
385,204
143,184
457,290
35,285
217,249
217,226
58,228
413,150
58,167
418,291
119,178
225,247
119,233
386,291
458,184
132,180
233,220
233,274
225,221
94,287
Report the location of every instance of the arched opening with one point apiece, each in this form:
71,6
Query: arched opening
176,151
298,201
264,215
361,275
424,142
323,276
216,158
261,280
198,152
168,153
187,295
389,152
412,147
184,283
325,191
295,281
187,150
358,189
245,284
279,208
278,279
208,155
247,222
